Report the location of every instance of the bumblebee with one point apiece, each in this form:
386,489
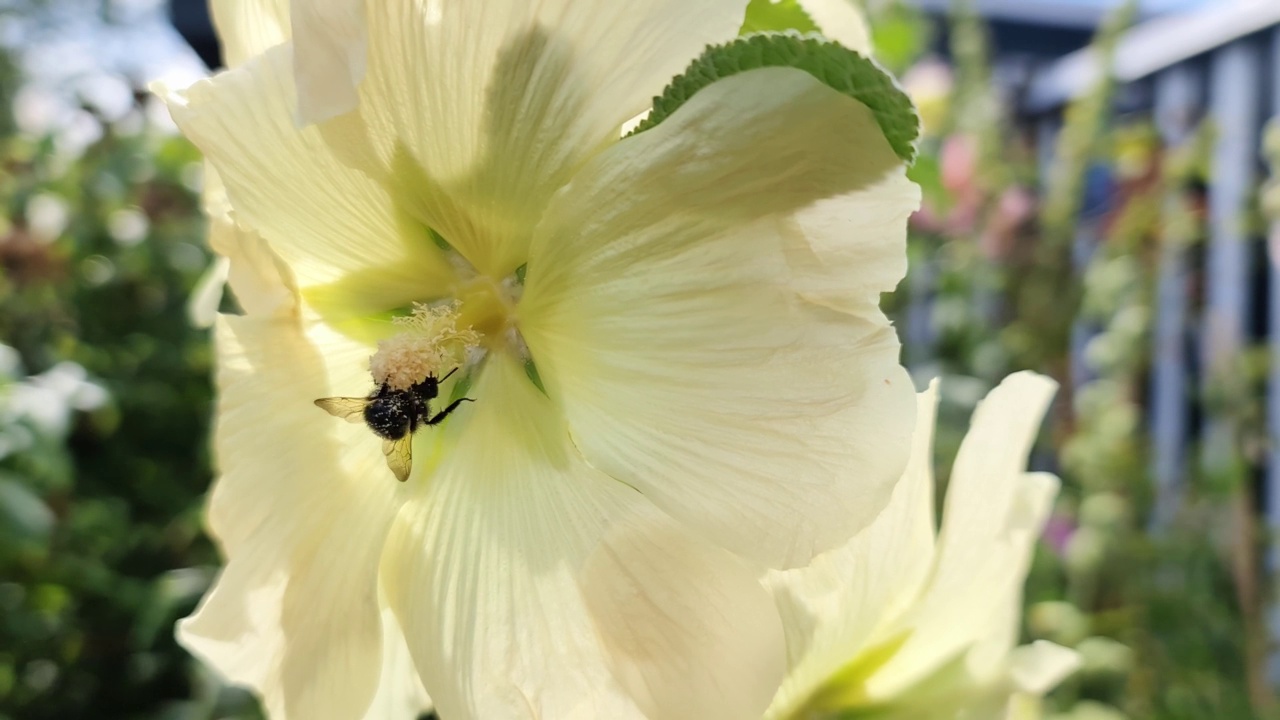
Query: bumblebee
394,415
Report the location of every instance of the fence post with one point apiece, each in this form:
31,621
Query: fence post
1273,323
919,336
1237,74
1235,105
1179,98
1272,493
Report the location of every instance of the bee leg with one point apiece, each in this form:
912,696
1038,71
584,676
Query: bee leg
435,419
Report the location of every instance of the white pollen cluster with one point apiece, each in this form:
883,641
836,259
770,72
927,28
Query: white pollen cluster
430,344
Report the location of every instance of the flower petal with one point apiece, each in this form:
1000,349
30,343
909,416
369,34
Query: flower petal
481,565
248,27
661,310
991,519
329,52
485,564
841,607
518,95
989,468
998,635
259,279
206,296
849,248
263,285
338,231
300,511
400,694
691,633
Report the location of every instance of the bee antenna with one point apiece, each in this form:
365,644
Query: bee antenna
446,377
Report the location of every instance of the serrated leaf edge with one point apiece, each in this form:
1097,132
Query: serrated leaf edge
904,144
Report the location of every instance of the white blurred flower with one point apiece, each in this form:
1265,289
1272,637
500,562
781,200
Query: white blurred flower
903,622
47,216
128,226
930,84
110,95
48,400
10,362
37,110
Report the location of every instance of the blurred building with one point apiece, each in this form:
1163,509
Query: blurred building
1028,30
191,18
1023,31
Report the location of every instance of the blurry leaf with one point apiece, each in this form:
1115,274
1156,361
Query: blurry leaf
927,173
23,515
174,593
769,16
899,35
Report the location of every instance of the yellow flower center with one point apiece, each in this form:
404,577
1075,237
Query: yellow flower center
435,339
489,308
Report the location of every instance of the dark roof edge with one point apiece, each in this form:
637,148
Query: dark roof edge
1053,14
1150,47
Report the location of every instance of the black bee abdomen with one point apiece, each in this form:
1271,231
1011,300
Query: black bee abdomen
388,417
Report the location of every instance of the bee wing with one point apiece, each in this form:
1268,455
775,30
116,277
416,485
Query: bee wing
348,408
399,456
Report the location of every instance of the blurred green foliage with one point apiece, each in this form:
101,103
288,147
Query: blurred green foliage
100,514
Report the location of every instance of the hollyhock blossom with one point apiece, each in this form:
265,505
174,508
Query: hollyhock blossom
670,340
908,622
841,21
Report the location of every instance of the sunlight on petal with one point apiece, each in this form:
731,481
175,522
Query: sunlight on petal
285,480
900,626
520,94
660,306
480,567
249,27
851,597
329,56
331,224
686,649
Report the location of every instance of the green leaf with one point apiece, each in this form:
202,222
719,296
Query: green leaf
24,516
532,371
461,387
770,16
836,66
439,240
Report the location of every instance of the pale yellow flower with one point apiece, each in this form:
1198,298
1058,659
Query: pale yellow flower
905,622
842,21
930,83
680,372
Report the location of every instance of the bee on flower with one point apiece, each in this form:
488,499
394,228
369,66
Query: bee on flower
405,370
672,340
